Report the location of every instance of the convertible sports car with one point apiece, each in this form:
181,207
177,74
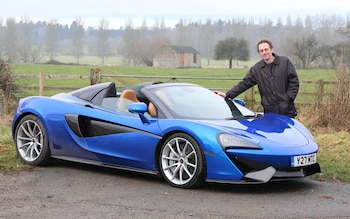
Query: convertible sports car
182,132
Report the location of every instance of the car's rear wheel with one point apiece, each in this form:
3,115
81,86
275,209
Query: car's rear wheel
31,141
182,162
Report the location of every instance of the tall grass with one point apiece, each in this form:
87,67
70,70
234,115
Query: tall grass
335,113
330,122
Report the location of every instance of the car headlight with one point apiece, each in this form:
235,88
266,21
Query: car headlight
230,141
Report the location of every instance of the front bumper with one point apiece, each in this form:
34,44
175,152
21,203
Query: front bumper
262,172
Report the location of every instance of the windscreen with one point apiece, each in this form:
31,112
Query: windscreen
195,102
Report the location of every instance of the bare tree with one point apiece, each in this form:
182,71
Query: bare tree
345,49
147,44
306,50
142,44
25,41
331,54
78,39
182,36
51,39
103,44
160,32
10,40
266,30
145,52
208,33
129,38
35,52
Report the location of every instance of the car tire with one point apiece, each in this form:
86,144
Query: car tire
31,141
181,161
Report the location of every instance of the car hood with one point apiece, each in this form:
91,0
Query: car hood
271,129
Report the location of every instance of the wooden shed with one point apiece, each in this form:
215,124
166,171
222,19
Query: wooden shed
177,57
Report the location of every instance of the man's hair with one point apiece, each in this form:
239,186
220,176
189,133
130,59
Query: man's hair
264,41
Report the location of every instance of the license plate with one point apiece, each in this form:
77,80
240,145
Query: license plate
303,160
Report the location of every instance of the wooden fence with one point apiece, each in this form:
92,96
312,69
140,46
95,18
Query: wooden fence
251,96
41,87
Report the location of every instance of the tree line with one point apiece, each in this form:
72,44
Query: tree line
314,42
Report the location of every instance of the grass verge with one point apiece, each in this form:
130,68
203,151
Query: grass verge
334,154
8,157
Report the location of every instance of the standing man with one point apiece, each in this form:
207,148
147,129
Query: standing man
277,82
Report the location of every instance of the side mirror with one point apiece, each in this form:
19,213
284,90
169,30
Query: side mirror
140,108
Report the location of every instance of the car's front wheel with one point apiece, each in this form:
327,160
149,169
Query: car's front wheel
31,141
182,162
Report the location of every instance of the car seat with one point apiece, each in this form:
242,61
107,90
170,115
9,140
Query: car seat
126,98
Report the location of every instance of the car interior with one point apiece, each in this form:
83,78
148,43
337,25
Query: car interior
110,99
129,96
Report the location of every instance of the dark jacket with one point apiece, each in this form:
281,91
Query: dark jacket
278,86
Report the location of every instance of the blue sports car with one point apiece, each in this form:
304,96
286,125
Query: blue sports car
182,132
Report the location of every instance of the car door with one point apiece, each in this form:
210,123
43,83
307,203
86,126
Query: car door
120,138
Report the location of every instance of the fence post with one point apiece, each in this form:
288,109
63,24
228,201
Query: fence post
320,90
249,97
41,84
95,76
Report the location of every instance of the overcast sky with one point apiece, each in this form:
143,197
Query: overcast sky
118,12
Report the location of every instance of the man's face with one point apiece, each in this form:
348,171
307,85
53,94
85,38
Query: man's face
265,52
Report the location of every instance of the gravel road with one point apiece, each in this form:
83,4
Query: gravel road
67,190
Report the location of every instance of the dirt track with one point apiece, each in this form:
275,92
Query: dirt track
67,190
